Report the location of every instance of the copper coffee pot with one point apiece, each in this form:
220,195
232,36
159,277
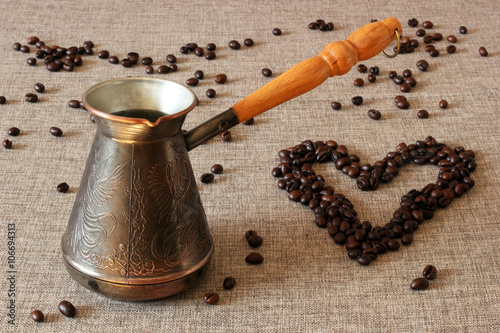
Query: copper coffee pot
138,230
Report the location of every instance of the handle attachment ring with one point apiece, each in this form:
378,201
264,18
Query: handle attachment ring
398,38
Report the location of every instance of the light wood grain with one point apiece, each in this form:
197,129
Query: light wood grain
337,58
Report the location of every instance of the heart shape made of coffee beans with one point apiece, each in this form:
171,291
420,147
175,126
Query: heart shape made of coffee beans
336,213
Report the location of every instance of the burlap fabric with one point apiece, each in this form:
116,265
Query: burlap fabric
306,283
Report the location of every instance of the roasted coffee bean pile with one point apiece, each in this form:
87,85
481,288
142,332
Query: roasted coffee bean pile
321,25
422,283
335,212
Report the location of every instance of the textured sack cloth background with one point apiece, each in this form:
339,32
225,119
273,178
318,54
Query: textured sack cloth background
306,283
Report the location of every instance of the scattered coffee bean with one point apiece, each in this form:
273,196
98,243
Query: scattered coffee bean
398,79
357,100
374,114
199,75
372,78
193,82
7,144
483,52
392,74
56,131
103,54
67,309
411,81
31,61
430,272
248,42
451,49
420,33
37,316
359,82
255,241
220,78
163,69
211,298
24,49
437,37
419,284
39,87
191,46
254,258
226,136
32,40
427,25
212,46
463,30
127,63
3,100
147,61
362,68
407,239
276,31
364,260
216,169
53,67
210,55
113,60
207,178
451,39
405,87
31,98
249,122
267,72
199,52
234,44
229,283
374,70
211,93
434,53
16,46
443,104
88,44
422,65
336,105
13,131
74,104
250,233
149,70
429,48
422,114
428,39
184,50
413,22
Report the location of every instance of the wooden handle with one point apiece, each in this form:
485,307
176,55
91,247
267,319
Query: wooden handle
337,58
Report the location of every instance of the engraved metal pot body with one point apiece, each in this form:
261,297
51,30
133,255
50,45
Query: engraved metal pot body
138,230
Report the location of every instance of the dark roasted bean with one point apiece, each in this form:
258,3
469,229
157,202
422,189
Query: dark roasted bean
483,52
427,25
39,87
226,136
74,104
207,178
220,78
216,169
430,272
163,69
229,283
56,131
422,114
247,42
211,298
193,82
37,316
147,61
451,48
419,284
357,100
126,63
374,70
463,30
31,98
255,241
103,54
371,78
67,309
362,68
420,32
359,82
31,61
254,258
234,44
113,60
149,70
413,22
374,114
211,93
210,55
336,105
276,31
7,144
443,104
267,72
451,39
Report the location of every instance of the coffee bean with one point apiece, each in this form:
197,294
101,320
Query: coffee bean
39,87
37,316
437,37
359,82
371,78
357,100
207,178
32,40
398,79
250,233
211,298
267,72
56,131
374,70
24,49
16,46
413,22
248,42
88,43
63,188
163,69
443,104
254,258
393,244
147,61
7,144
362,68
234,44
248,122
427,25
113,60
211,93
451,39
211,47
53,67
295,195
74,104
229,283
374,114
336,105
420,33
255,241
226,136
193,82
429,48
428,39
483,52
13,131
392,74
407,239
127,63
463,30
210,55
199,74
364,260
419,284
430,272
216,169
149,70
422,114
31,61
184,50
103,54
67,309
220,78
422,65
31,98
405,87
276,31
451,49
